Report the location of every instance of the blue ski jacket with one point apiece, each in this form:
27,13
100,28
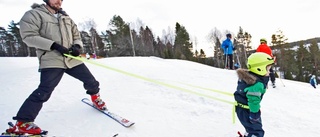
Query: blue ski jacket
227,46
313,81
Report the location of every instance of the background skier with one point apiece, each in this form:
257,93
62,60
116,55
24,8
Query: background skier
227,47
313,81
87,56
263,47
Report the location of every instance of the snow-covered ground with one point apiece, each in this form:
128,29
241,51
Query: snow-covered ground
164,97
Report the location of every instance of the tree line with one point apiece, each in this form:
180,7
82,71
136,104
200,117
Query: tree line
295,62
119,40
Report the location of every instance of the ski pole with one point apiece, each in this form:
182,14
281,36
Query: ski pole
238,59
280,79
226,64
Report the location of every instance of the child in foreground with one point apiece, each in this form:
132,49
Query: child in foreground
251,87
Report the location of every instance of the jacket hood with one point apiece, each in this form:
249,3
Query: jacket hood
36,5
40,7
246,76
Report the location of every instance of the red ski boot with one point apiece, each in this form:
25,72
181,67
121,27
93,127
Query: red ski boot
97,102
22,128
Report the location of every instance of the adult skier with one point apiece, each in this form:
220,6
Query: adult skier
53,33
228,48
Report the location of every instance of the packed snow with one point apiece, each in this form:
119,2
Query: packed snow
164,97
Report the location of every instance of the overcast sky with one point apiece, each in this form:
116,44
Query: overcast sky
298,19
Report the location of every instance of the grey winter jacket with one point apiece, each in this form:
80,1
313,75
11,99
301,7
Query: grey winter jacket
39,28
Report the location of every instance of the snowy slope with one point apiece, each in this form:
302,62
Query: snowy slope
165,98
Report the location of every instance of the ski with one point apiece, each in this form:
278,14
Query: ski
124,122
242,135
17,135
12,133
239,134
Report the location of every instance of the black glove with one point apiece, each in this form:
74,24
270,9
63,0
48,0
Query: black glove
255,117
233,49
58,47
75,50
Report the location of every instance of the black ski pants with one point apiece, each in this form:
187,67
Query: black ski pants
229,61
251,128
49,79
272,75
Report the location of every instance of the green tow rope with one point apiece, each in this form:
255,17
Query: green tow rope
161,83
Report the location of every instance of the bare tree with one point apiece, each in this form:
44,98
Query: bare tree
168,36
88,24
214,38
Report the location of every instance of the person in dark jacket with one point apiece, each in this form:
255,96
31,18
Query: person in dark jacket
251,87
263,47
228,48
54,34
